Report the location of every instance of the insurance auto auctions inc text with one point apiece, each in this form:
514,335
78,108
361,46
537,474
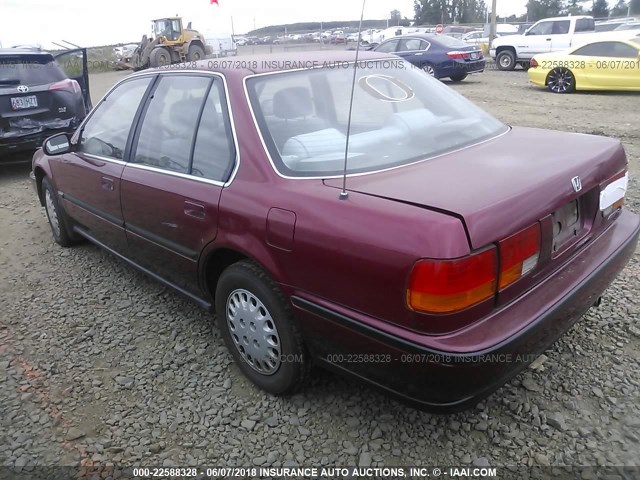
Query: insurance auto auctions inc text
377,472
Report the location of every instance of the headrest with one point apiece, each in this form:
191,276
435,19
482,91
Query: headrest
294,102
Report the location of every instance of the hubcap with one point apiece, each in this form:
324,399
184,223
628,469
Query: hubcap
253,332
52,213
505,61
429,69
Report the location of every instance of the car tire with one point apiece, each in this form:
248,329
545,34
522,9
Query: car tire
159,57
561,80
458,78
58,221
195,53
506,60
525,66
257,326
429,70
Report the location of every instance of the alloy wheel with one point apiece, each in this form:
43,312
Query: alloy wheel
561,80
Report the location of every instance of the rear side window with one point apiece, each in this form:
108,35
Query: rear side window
607,49
585,25
411,44
107,130
169,125
214,151
561,28
29,70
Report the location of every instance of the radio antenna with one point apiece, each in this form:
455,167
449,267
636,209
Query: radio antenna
344,195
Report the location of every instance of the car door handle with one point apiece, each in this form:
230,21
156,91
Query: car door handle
419,54
107,183
548,39
194,209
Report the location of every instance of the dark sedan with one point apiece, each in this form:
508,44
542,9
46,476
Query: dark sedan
440,56
449,260
37,97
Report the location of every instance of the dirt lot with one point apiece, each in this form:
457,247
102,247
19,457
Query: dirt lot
100,364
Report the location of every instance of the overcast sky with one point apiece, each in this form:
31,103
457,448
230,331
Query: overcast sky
91,23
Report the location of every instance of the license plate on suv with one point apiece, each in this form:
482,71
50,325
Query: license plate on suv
567,225
20,103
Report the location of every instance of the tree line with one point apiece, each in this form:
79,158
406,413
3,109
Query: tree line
429,12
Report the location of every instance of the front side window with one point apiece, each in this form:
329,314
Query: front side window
399,116
542,28
107,130
169,124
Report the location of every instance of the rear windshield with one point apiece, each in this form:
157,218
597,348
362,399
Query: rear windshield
448,41
29,70
400,116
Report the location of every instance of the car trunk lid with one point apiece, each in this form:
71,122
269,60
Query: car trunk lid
502,185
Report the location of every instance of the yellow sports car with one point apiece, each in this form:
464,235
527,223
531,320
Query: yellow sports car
602,65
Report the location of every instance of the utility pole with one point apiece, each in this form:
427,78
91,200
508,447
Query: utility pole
494,19
232,31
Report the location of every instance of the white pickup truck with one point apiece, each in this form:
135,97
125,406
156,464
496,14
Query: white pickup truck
547,35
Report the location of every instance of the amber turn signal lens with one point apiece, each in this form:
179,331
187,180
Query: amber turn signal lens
446,286
519,255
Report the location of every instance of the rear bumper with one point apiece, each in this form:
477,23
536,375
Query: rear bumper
438,373
459,68
538,76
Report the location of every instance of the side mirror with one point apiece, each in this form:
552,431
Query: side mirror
57,144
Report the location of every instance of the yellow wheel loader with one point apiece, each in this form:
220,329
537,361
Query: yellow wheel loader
170,43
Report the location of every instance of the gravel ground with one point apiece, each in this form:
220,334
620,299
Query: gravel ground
98,364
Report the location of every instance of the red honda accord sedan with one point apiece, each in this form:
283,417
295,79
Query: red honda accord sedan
451,260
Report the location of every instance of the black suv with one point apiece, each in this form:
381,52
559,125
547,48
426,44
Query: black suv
40,95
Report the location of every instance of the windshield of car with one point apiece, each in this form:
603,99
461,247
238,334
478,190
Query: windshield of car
400,116
29,70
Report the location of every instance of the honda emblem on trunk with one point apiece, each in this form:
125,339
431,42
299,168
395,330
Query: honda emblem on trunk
23,89
577,184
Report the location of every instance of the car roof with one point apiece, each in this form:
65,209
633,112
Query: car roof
579,17
22,50
424,36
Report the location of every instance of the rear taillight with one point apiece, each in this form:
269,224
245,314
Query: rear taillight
519,255
533,63
459,55
612,195
446,286
67,85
